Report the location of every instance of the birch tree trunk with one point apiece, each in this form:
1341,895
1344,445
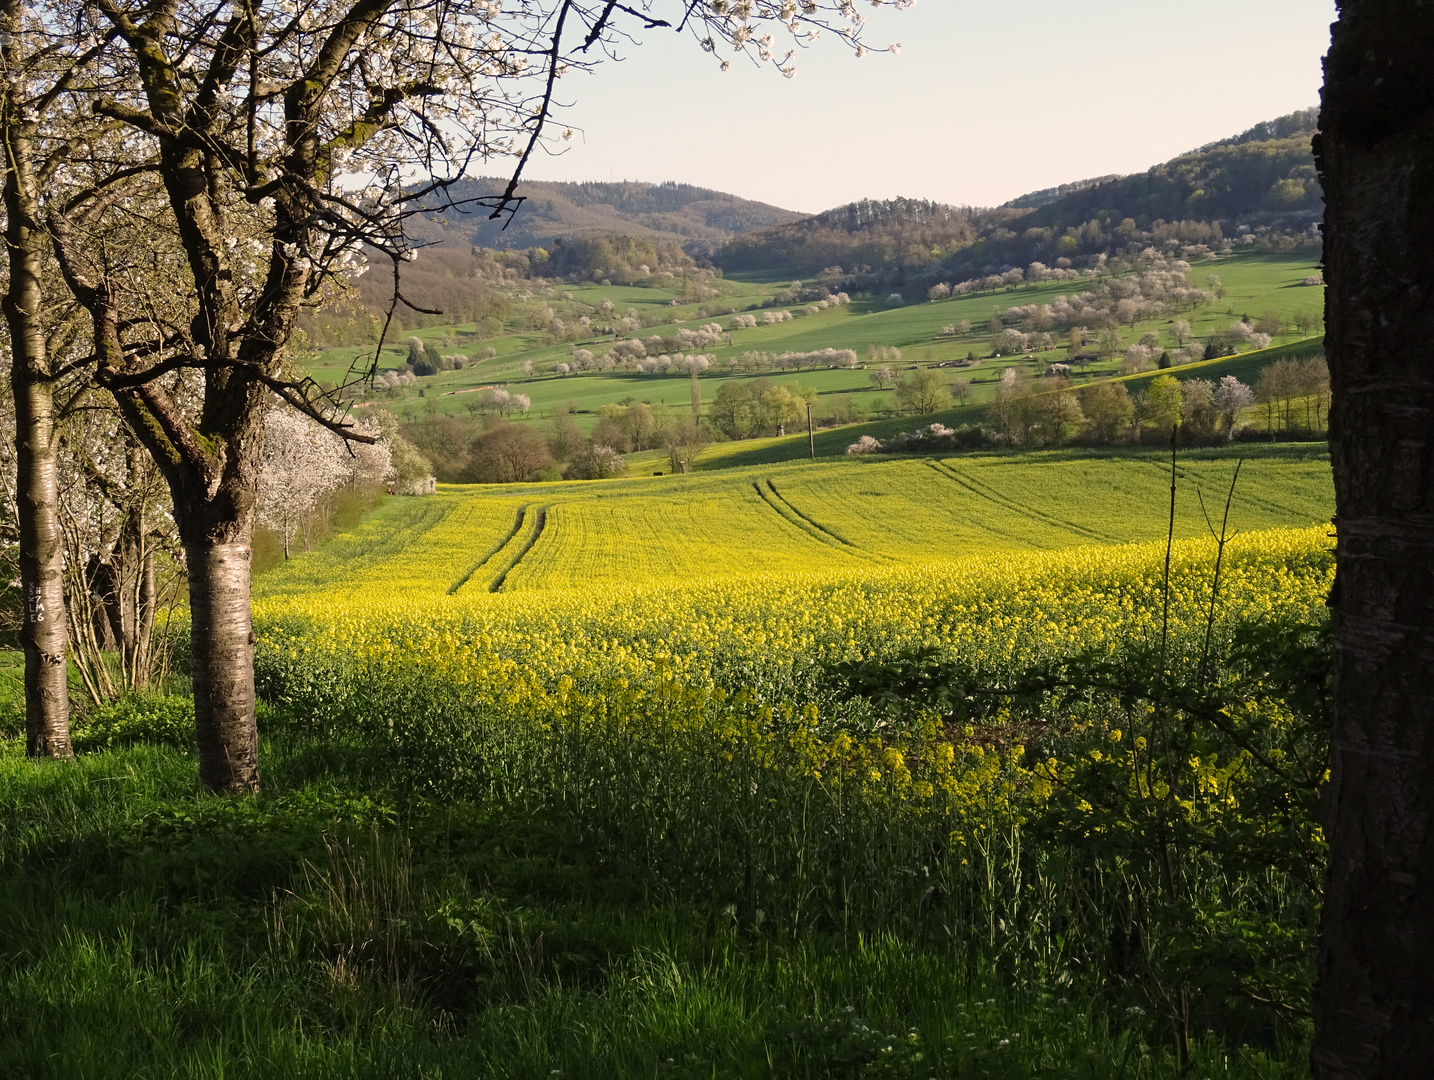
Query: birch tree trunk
223,667
44,631
1374,1012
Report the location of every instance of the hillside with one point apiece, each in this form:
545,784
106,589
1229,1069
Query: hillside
678,213
1255,187
799,518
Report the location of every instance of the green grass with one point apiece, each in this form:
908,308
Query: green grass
831,442
335,927
1254,283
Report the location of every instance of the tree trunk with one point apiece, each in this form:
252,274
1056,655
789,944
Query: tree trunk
142,655
1374,1012
43,632
223,666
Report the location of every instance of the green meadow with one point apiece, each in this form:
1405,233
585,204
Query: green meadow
1254,284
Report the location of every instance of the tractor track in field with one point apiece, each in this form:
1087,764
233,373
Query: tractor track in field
1184,475
492,552
540,520
813,524
780,507
981,490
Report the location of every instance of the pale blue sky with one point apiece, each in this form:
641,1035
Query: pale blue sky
986,100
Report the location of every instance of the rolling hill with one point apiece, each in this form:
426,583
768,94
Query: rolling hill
668,211
1260,184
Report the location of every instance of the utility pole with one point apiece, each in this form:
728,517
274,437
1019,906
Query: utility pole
811,435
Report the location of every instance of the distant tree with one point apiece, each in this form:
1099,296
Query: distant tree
1314,382
508,453
1009,342
1163,404
1137,359
1197,406
1150,339
732,409
938,292
684,441
1270,324
422,359
1108,407
994,325
922,391
642,423
1056,415
1276,389
1231,396
1180,331
1128,311
597,462
302,463
1009,412
565,441
961,390
882,377
840,409
963,326
782,405
1109,342
895,300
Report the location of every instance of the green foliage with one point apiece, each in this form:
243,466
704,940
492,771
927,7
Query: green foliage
135,718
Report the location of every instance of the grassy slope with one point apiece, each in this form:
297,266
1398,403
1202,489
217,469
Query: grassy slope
1254,284
833,441
799,517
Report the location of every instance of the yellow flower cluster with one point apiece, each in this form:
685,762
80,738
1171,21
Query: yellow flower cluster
785,522
666,657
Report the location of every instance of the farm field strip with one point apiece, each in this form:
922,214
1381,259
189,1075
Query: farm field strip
999,609
983,490
1128,496
809,518
770,496
722,532
524,536
895,509
492,552
812,522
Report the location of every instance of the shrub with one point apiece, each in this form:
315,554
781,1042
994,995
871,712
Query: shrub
597,462
136,718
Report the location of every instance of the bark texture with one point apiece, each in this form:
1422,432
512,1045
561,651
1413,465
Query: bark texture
223,670
1375,1003
43,631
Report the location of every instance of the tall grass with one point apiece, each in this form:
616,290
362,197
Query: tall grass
153,931
1060,868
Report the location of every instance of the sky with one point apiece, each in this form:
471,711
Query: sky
986,100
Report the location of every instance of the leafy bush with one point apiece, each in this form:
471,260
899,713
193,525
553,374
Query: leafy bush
136,718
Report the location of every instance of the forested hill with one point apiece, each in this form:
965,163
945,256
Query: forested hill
1256,187
679,213
1264,176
